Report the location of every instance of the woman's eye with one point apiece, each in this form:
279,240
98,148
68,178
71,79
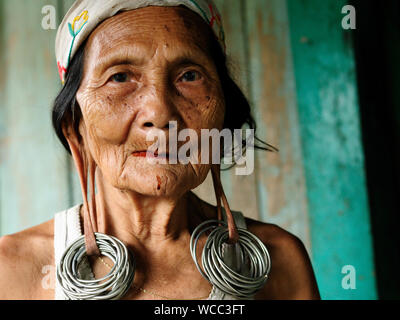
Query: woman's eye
120,77
190,76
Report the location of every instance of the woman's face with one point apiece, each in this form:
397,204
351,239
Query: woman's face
142,69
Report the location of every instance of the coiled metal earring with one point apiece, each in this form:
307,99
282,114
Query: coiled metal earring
77,281
74,272
242,281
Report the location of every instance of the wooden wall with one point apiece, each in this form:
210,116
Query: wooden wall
295,64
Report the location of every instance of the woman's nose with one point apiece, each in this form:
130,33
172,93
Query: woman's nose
156,109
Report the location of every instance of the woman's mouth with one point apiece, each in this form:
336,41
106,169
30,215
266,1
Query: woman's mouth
149,154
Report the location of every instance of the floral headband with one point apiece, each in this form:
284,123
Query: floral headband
84,16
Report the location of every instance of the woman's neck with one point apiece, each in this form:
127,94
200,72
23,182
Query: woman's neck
133,217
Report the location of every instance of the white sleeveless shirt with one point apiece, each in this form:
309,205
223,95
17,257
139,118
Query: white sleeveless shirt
67,228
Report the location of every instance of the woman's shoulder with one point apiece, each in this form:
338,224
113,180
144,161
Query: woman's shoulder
25,259
282,244
272,234
291,275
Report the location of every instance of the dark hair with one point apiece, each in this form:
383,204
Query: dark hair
238,111
65,107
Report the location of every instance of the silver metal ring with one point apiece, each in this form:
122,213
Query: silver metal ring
254,258
113,285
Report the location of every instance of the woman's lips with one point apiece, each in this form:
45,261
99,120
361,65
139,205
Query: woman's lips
149,154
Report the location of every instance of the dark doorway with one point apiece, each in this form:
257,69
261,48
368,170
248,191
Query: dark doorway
377,49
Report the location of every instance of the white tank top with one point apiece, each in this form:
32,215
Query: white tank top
67,228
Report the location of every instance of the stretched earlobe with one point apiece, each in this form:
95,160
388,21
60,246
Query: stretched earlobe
220,194
74,271
85,164
92,202
215,173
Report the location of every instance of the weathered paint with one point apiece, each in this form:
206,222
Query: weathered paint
281,191
2,109
33,167
240,190
332,150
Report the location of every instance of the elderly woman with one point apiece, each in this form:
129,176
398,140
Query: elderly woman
131,67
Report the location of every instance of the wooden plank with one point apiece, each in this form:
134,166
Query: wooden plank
33,166
240,190
3,140
281,193
333,155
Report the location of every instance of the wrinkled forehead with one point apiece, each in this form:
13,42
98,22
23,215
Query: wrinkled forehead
178,27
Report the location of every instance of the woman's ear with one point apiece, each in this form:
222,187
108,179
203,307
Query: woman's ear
85,166
78,156
70,135
77,151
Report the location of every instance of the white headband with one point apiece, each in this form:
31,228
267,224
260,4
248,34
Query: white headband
85,15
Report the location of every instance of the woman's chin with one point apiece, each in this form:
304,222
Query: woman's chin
159,181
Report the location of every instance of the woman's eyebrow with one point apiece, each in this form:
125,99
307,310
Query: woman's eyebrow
188,57
185,61
114,59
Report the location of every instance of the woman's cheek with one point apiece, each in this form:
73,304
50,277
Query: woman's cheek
212,114
107,118
216,114
110,162
203,108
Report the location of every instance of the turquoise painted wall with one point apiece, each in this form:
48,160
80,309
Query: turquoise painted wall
333,155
